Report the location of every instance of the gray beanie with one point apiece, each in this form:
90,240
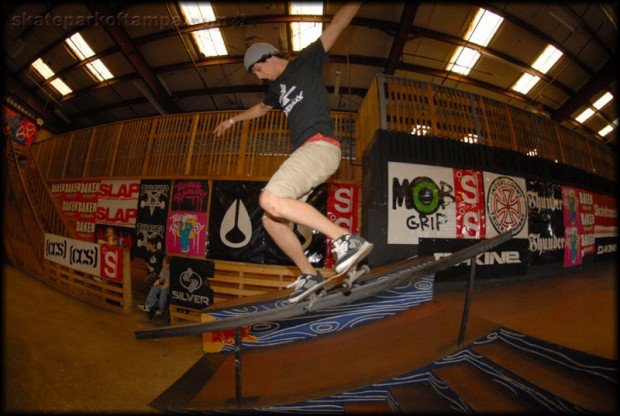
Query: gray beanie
256,52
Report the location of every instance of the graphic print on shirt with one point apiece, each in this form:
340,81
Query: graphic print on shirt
287,103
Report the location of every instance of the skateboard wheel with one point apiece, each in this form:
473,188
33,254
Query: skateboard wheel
346,285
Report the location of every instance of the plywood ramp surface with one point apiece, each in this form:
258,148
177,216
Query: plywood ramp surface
341,361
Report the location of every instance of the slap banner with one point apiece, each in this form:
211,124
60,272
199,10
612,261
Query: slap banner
118,200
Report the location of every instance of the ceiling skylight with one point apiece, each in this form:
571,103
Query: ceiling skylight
481,30
598,104
304,33
209,41
83,51
46,72
543,63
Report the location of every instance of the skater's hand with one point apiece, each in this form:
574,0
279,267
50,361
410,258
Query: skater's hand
223,126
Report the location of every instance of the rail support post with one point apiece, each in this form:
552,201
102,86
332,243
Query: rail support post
470,293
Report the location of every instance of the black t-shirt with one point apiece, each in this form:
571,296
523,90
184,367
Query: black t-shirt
301,94
155,259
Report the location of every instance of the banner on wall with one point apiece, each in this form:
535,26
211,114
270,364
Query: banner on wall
189,285
190,195
17,127
545,222
469,204
420,203
186,233
78,200
117,204
152,215
509,258
95,259
342,210
572,226
605,226
506,207
235,222
586,205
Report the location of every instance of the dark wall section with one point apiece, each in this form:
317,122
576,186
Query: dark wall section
389,146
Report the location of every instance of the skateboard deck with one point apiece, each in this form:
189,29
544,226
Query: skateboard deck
353,273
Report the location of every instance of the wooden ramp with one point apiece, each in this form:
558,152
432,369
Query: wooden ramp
338,362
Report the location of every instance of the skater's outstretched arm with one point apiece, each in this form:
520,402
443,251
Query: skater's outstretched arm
257,110
341,20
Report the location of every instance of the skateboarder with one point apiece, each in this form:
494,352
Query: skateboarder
297,88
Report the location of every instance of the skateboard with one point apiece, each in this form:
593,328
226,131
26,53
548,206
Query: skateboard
353,273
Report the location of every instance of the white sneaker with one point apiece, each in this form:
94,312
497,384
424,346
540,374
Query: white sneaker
350,249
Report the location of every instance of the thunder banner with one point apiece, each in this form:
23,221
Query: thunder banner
546,222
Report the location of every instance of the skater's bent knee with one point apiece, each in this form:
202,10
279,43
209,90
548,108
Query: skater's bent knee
270,202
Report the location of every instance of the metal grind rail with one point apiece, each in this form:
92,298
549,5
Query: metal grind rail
392,278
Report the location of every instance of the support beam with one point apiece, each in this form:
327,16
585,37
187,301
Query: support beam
406,22
114,28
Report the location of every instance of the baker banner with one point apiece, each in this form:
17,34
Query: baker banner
153,205
545,222
189,285
118,201
91,258
572,226
78,200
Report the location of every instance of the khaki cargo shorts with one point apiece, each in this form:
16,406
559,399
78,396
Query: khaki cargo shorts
307,167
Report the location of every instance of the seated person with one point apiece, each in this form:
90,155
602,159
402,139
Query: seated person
153,261
160,288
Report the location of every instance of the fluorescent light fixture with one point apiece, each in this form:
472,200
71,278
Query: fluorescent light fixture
533,152
304,33
547,59
46,72
543,63
606,130
83,51
61,87
481,30
209,41
601,102
585,114
43,69
525,83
